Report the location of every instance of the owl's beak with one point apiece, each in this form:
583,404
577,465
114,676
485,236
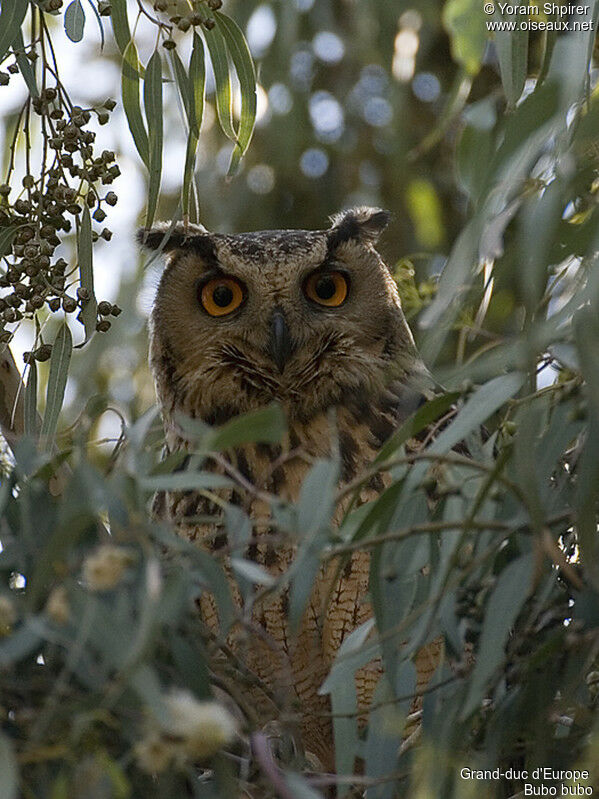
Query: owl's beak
280,345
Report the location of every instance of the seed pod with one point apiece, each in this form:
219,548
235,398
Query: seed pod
69,304
115,310
104,308
43,353
103,326
111,198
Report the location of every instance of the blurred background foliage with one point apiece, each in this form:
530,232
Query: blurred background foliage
486,151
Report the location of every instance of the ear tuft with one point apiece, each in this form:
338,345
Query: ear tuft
167,237
363,224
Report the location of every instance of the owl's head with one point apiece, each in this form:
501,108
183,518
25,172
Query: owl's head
308,318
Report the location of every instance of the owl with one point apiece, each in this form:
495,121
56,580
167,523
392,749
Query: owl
312,320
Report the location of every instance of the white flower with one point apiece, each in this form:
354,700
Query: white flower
202,727
104,568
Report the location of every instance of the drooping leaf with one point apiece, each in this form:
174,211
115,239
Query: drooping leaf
86,273
7,236
222,78
153,109
25,66
74,21
120,23
512,51
30,399
131,103
476,410
505,602
244,66
12,15
266,425
191,89
57,381
464,20
315,510
185,481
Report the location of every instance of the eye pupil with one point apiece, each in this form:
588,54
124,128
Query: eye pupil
325,288
222,296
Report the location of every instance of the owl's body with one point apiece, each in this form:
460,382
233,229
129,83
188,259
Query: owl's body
312,320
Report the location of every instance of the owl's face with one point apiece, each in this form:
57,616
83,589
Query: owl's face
307,318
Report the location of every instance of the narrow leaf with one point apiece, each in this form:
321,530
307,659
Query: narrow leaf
153,109
7,236
131,103
74,21
57,381
86,273
477,409
266,425
512,51
222,78
185,481
30,412
11,19
24,64
505,603
191,89
120,24
244,66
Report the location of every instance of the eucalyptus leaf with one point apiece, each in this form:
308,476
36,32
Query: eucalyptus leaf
86,274
57,381
131,103
74,21
508,596
153,110
12,15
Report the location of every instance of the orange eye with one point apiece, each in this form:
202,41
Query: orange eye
221,296
327,288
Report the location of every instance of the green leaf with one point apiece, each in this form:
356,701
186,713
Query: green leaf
512,51
251,572
9,774
222,79
266,425
191,89
428,413
74,21
315,509
505,602
153,109
7,236
120,23
483,403
353,653
57,381
30,401
11,18
185,481
131,104
24,64
464,20
244,66
86,273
